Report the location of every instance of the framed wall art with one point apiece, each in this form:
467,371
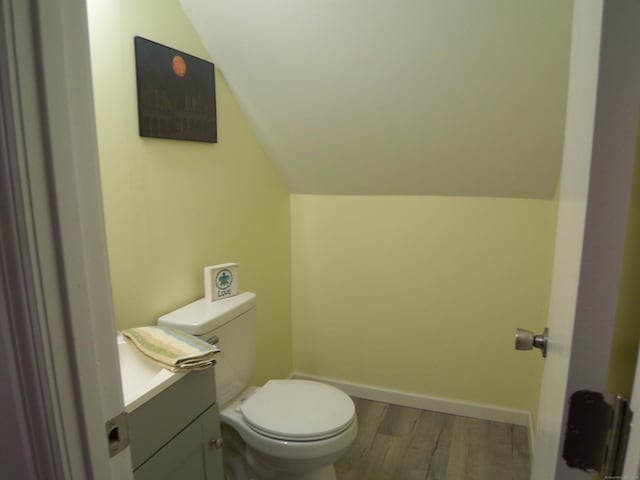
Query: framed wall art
176,93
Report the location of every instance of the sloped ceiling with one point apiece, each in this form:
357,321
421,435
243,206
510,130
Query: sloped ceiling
408,97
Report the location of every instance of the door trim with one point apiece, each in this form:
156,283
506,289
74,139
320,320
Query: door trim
59,237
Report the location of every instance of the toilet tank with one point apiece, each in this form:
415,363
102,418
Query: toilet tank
230,324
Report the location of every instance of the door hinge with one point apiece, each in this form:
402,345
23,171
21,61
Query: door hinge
597,432
117,433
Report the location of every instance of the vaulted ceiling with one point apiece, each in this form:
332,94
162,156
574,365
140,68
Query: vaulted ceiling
408,97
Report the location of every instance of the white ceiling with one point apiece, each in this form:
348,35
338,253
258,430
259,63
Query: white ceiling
408,97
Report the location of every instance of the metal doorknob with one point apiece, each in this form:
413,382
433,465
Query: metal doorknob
526,340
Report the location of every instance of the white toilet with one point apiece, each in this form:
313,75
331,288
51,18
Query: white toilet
286,429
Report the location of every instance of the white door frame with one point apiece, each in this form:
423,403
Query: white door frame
612,163
599,153
55,296
632,460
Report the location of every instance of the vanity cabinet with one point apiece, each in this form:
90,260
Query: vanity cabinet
176,435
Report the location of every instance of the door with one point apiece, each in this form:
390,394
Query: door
600,143
56,319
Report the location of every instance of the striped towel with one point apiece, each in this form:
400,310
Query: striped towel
173,349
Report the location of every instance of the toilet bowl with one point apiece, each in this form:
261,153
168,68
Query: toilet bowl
284,430
303,443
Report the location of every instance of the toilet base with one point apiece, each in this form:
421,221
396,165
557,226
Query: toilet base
262,470
326,473
242,462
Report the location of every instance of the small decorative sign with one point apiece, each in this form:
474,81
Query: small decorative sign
220,281
176,93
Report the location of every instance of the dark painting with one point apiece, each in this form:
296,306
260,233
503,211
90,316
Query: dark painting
176,93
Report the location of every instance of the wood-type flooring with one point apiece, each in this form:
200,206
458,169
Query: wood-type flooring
402,443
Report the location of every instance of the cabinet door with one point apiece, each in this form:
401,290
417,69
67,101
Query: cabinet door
210,432
190,455
158,421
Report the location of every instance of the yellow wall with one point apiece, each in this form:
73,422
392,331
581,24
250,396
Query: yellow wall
627,330
422,294
173,207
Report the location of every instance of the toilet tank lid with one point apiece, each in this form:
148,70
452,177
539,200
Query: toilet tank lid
201,317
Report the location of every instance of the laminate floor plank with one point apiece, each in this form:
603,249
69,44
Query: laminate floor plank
439,458
520,449
369,414
399,421
402,443
500,462
381,448
423,444
476,433
400,426
458,453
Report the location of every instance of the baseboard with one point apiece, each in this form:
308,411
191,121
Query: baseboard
483,411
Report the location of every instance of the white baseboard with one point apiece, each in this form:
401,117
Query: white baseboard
483,411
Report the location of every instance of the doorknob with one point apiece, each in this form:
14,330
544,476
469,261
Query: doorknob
526,340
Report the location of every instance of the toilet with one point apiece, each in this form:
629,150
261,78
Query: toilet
286,429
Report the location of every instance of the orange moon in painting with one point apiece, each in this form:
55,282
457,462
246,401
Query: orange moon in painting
179,66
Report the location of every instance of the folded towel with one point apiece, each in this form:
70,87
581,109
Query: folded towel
173,349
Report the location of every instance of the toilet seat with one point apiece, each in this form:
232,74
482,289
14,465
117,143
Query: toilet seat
298,410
